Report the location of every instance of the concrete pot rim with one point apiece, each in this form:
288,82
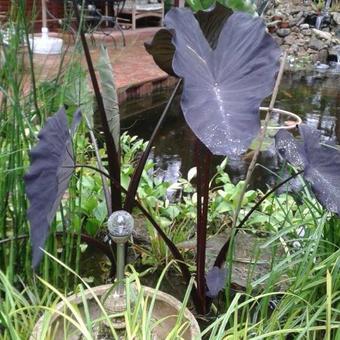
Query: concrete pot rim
100,290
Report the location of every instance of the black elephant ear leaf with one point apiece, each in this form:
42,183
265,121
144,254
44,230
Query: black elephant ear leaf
215,280
211,23
321,164
162,50
223,87
311,138
323,169
48,176
290,149
295,185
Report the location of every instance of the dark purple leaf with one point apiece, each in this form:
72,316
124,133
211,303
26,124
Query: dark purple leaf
162,50
211,23
224,87
294,185
321,164
215,279
290,149
48,176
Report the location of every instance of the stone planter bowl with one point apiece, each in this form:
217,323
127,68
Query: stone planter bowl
165,306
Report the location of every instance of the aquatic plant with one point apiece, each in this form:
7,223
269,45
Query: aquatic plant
228,65
308,308
222,91
249,6
229,85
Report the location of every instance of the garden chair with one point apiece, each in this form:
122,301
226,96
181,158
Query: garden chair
97,21
94,19
138,9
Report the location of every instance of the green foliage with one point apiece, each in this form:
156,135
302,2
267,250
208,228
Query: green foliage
173,206
17,116
20,310
235,5
24,106
318,5
307,306
240,5
301,297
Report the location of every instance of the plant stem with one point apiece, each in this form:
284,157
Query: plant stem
134,182
30,58
203,161
112,152
173,249
101,167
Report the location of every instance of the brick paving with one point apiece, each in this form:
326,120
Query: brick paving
134,69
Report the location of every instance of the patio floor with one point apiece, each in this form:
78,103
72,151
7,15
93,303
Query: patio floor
135,72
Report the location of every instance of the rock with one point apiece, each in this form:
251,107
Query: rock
300,38
292,23
290,39
314,58
302,51
140,233
299,15
337,32
322,34
316,44
310,51
295,48
332,51
299,22
307,32
323,56
251,261
278,16
336,17
283,32
278,40
297,12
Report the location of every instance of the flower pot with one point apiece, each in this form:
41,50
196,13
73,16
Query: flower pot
166,308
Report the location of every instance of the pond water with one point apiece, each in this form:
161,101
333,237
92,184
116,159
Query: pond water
313,95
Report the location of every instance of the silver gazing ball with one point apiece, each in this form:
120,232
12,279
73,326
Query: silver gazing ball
120,225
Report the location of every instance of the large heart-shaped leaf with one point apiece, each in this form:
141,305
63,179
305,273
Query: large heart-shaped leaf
223,87
321,163
48,176
211,23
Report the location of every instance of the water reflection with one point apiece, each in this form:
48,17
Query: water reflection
314,96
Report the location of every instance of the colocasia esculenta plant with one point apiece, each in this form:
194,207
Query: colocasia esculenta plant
227,64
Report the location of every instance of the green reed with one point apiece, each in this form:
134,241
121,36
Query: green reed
25,104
